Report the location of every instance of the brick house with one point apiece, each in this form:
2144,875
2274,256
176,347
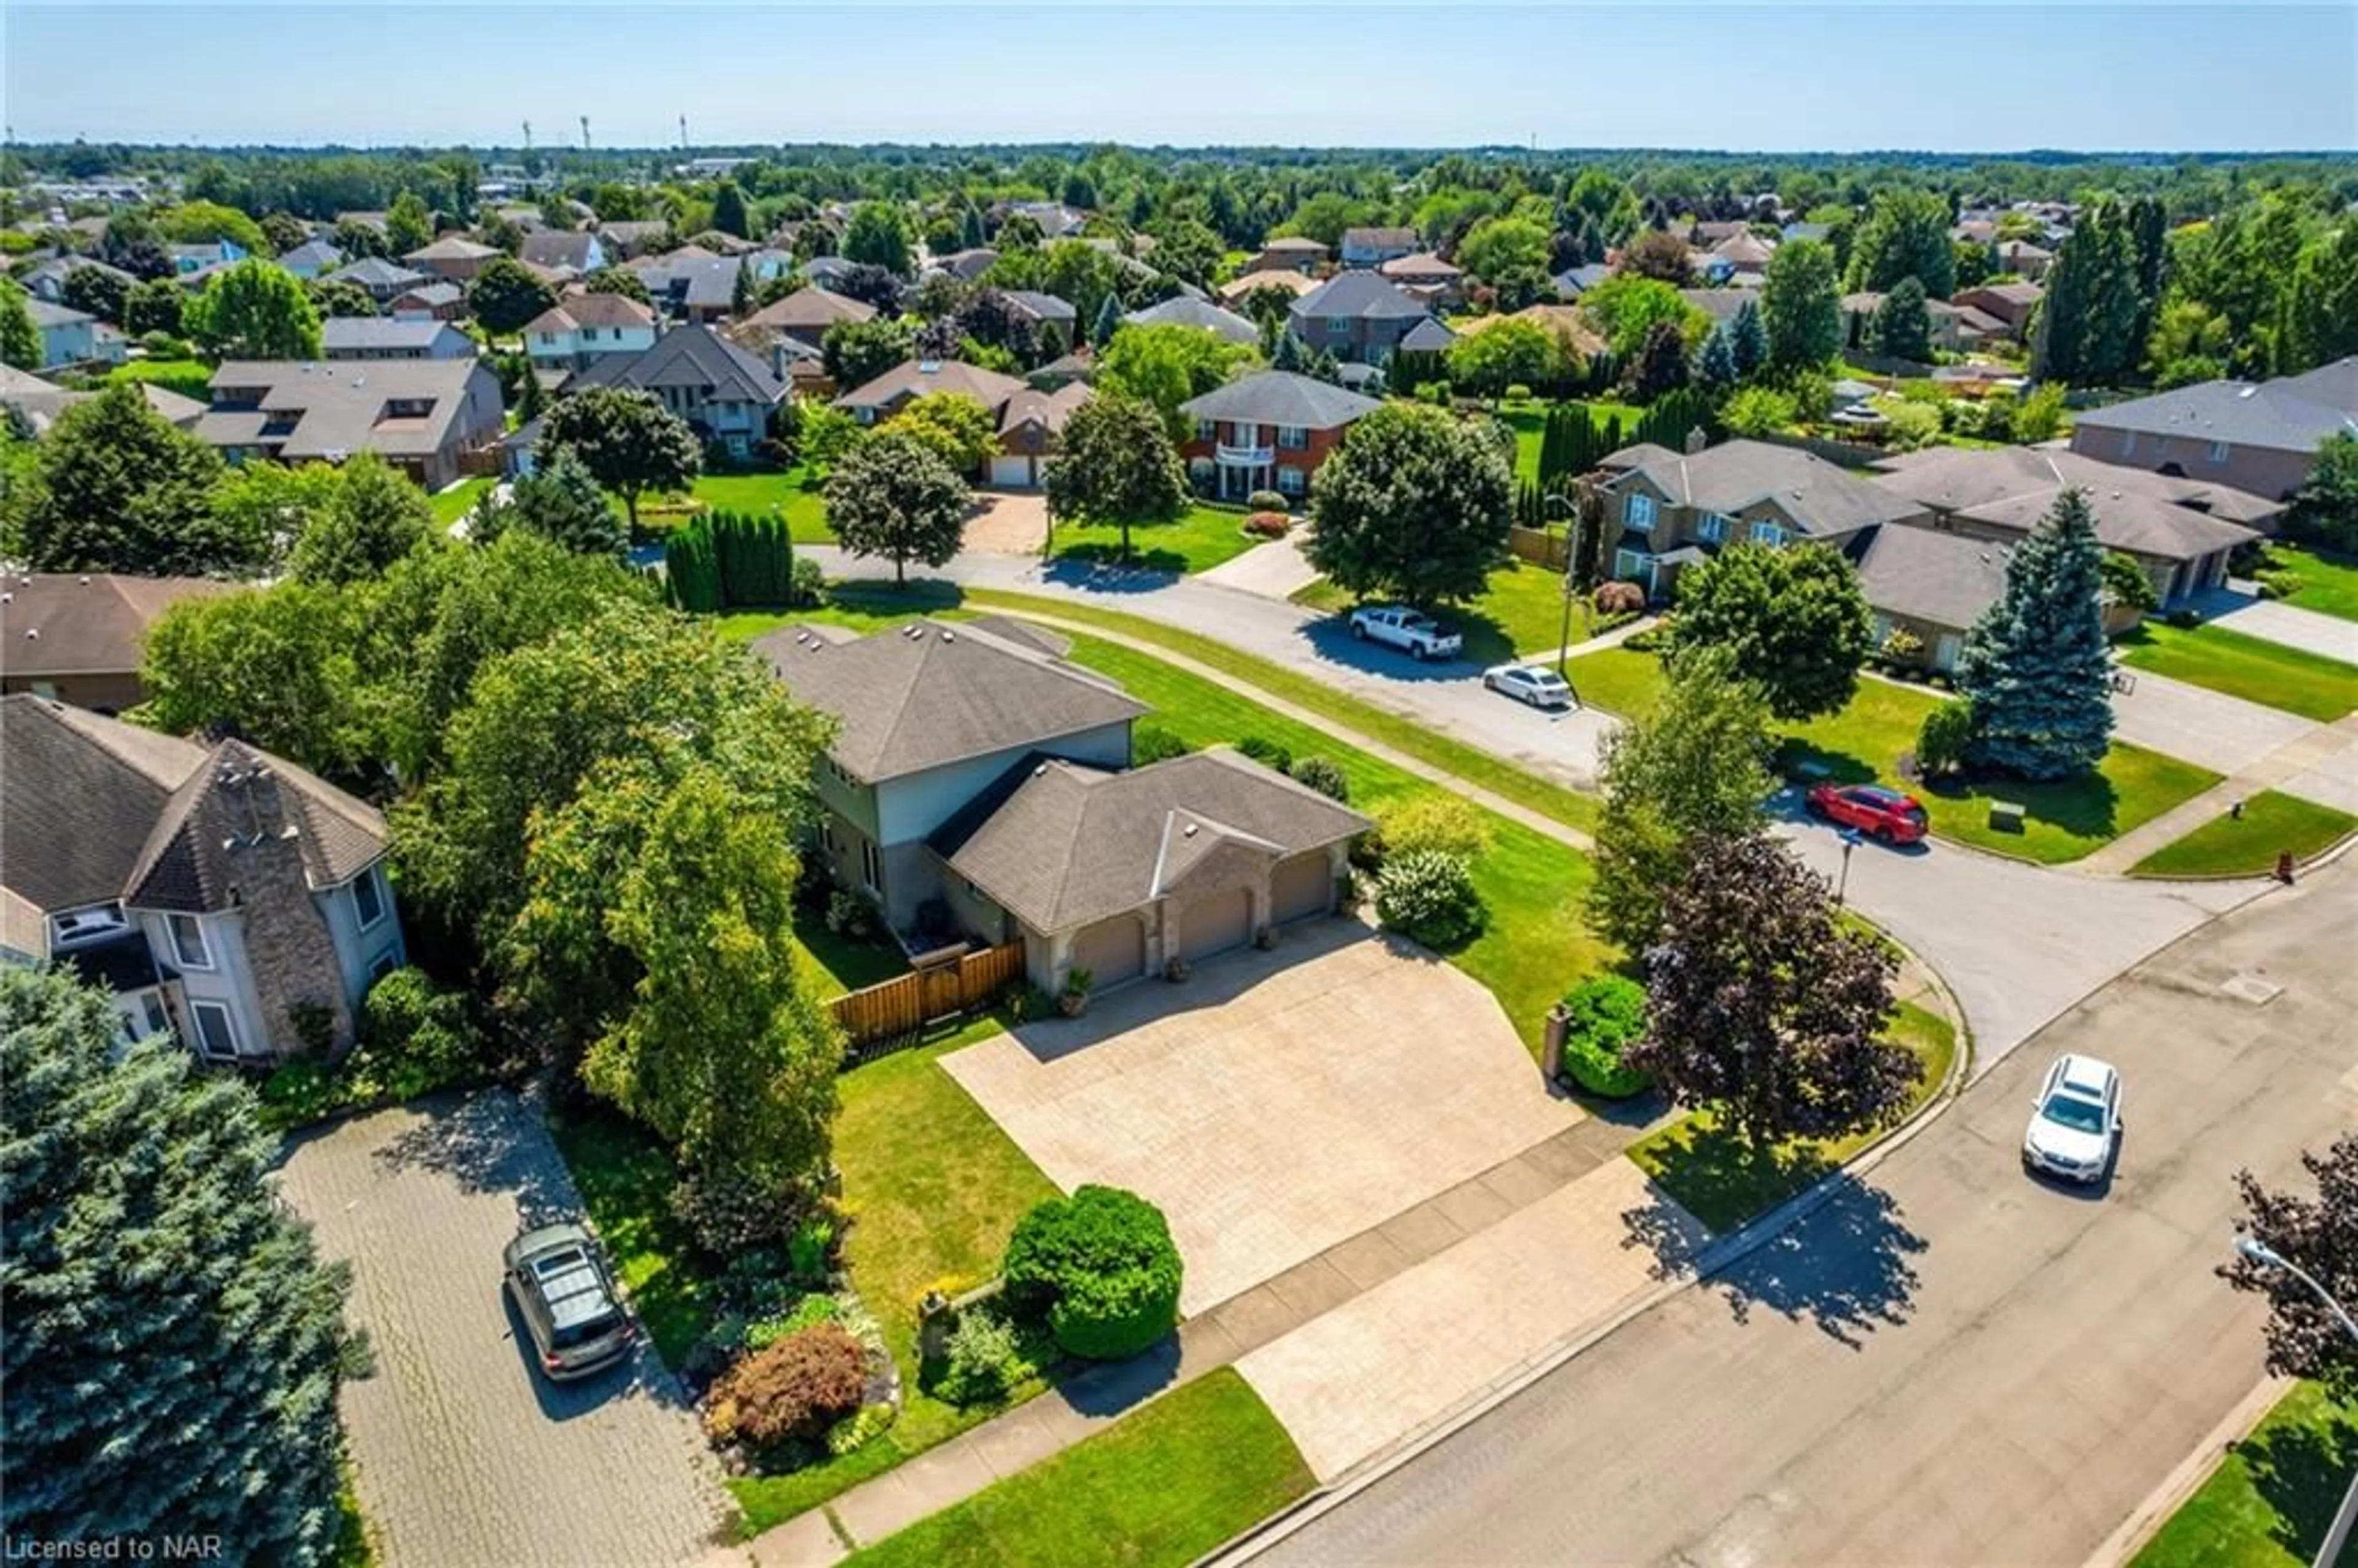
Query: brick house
2261,438
1269,431
726,394
453,258
2011,303
1371,247
1358,317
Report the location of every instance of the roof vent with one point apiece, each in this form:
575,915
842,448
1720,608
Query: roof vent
32,634
1040,770
85,580
1188,831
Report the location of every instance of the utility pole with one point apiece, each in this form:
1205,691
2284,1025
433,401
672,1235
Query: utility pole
585,132
527,136
683,135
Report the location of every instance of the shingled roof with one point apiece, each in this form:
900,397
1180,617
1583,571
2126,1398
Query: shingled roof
1281,397
929,694
61,623
2014,487
1819,498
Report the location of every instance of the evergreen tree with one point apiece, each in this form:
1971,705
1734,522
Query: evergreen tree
408,226
1716,367
2088,322
970,235
560,500
729,214
1901,328
20,339
1288,353
174,1342
1748,334
1660,366
2318,321
2035,666
1107,323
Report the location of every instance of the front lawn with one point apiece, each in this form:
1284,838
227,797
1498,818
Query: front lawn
2329,583
1163,1485
2271,1499
2248,845
2249,667
1202,538
190,378
1716,1175
454,502
787,492
2061,820
933,1188
863,607
1520,613
1537,943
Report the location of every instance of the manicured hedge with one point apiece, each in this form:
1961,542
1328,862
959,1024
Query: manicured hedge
1100,1266
1608,1014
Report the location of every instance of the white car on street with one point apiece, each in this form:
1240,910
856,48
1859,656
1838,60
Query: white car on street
2075,1122
1534,684
1396,626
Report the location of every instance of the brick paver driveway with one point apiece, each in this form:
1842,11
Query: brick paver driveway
1276,1103
466,1455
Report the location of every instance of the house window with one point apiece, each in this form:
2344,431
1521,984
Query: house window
1208,430
1637,511
1713,528
368,898
2218,451
1293,437
1338,326
216,1031
189,942
1291,481
871,866
1629,566
1768,534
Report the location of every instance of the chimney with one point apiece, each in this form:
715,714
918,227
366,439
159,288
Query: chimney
1696,441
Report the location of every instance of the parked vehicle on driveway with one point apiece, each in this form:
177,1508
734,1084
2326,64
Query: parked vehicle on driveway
1535,683
1395,626
1878,812
2075,1122
562,1288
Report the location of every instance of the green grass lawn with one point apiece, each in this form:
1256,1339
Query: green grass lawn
454,502
2271,1499
2062,820
2229,846
1537,943
626,1177
1202,538
1529,421
863,608
190,378
1159,1489
2249,667
1715,1175
1470,764
758,492
1521,612
934,1188
843,964
2329,583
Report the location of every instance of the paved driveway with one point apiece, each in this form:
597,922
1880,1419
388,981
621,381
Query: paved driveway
1276,1103
1009,522
465,1457
2195,724
2285,623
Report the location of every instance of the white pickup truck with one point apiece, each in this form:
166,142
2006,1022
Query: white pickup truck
1397,627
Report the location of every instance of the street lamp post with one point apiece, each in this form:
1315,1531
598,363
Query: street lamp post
1841,888
1564,638
2251,1247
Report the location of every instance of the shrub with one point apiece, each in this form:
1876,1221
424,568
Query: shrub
1269,525
1757,411
1101,1267
729,1215
1445,824
2126,584
1268,753
983,1361
865,1426
1153,743
849,914
1901,646
795,1389
1028,1004
1608,1012
1618,599
299,1092
2277,582
1518,393
2040,414
808,1313
415,1037
1944,737
810,1249
807,583
2185,620
1911,425
1428,896
1323,775
1268,501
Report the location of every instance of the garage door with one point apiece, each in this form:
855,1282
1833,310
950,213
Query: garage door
1112,950
1303,886
1011,474
1216,923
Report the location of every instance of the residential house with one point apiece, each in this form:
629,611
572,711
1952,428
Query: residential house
1029,419
628,238
2024,259
826,272
207,256
727,395
2181,530
389,338
1666,511
1295,253
2010,303
1719,304
421,415
1046,312
79,638
1708,232
70,337
577,249
1181,312
313,258
1568,324
980,787
690,284
1371,247
453,258
382,280
2261,438
1744,252
221,895
1423,276
584,327
1056,220
1929,584
41,402
46,280
1574,282
1270,431
1357,317
1951,327
1245,285
435,301
964,265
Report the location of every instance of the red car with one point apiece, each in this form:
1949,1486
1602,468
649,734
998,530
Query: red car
1878,812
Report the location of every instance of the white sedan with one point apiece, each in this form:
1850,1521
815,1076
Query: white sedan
1534,684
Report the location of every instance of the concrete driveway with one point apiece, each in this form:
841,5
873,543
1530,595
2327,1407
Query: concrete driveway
2287,623
1008,522
464,1455
2195,724
1276,1103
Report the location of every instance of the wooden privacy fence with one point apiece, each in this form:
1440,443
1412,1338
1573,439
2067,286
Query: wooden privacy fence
901,1007
1549,548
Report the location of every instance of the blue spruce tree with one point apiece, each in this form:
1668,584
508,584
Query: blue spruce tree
2034,665
1108,322
1748,336
1716,366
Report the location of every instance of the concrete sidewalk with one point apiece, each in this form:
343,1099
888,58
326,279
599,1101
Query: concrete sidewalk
2321,753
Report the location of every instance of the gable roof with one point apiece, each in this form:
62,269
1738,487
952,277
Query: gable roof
1048,410
1040,306
575,311
1281,397
382,332
807,308
1424,263
2014,487
65,623
47,315
313,252
694,357
42,402
916,378
452,247
1429,336
1932,575
1358,294
375,272
560,247
430,294
1070,844
1293,245
690,277
929,694
1182,312
1821,499
340,404
1379,238
1292,283
2292,415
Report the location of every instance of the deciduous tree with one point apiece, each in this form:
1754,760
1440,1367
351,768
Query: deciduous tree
115,487
855,353
2035,663
878,234
373,517
629,441
253,309
893,495
1905,235
1166,365
1801,305
2317,1235
1504,354
1794,620
729,213
1415,506
506,293
1901,327
20,339
408,225
97,292
959,430
1118,466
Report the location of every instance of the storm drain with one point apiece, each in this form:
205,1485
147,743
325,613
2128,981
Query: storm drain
2252,989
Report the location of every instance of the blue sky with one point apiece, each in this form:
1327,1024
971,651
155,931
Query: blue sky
1987,76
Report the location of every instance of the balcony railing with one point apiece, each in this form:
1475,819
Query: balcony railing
1245,457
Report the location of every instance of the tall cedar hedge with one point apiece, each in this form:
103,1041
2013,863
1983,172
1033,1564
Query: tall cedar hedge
723,560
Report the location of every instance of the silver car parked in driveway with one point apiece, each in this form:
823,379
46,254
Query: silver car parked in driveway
558,1281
